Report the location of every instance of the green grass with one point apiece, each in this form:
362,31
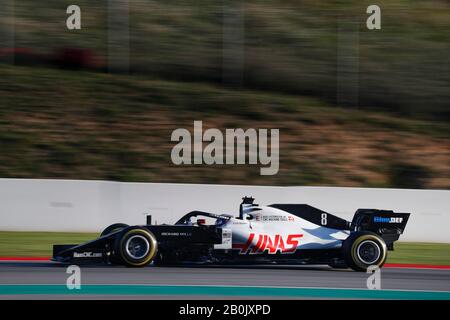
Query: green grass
419,252
29,244
37,244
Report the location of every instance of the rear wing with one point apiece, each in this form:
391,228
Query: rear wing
386,223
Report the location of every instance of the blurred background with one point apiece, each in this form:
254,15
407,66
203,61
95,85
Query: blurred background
355,107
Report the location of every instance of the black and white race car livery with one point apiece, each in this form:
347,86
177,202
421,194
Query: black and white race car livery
278,233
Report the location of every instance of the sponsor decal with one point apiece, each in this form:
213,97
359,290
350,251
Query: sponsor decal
387,219
269,244
176,234
273,218
88,254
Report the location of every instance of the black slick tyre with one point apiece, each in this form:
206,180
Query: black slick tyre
363,249
136,247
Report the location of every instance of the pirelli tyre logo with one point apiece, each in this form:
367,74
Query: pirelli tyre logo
258,244
387,219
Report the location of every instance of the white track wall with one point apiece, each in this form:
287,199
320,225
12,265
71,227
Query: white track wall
71,205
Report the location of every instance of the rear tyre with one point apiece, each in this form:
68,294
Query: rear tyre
136,247
113,228
363,249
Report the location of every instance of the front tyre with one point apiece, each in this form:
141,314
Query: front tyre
363,249
136,247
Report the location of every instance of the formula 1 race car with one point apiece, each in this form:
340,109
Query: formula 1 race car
278,233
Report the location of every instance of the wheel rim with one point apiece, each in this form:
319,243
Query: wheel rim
368,252
137,247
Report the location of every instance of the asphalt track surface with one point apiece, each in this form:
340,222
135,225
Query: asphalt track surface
42,280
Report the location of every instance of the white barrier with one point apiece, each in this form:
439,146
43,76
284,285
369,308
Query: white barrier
71,205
